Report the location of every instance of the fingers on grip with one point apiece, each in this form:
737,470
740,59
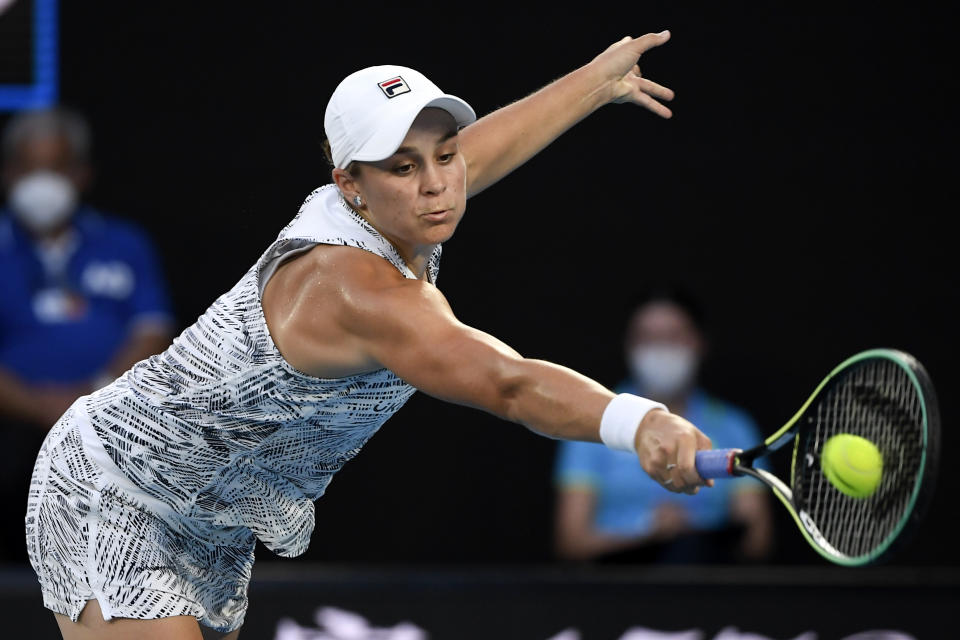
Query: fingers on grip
685,476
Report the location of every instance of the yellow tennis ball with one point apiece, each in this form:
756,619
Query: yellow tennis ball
852,464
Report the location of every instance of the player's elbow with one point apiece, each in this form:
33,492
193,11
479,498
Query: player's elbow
512,385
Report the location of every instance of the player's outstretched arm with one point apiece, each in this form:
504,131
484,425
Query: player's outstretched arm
500,142
375,318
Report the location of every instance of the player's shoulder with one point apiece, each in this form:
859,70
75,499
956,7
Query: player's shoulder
356,284
352,268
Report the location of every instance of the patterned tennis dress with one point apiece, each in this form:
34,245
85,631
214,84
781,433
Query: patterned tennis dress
149,494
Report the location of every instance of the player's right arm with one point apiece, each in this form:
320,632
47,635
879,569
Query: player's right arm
501,141
343,311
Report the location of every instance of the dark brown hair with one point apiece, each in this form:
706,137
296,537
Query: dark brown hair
353,168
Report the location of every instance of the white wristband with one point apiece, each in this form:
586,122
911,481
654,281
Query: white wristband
621,419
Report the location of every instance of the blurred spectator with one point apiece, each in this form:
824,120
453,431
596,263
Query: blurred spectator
83,295
608,509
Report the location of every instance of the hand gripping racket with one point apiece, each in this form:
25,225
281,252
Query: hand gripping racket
882,395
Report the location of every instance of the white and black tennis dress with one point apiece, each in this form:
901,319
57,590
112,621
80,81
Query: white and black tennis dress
148,494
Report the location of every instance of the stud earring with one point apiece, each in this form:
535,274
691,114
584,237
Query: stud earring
357,200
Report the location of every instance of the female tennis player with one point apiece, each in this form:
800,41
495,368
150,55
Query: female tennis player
148,495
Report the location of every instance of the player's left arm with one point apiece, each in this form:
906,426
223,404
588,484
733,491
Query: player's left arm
500,142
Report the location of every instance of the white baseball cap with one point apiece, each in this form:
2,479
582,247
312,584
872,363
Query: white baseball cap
371,110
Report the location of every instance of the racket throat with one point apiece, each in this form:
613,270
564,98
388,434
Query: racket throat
745,458
772,481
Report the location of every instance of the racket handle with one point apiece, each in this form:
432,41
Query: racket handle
716,463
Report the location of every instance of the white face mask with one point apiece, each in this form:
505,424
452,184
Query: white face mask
663,369
42,200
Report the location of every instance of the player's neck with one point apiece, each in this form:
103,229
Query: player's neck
417,258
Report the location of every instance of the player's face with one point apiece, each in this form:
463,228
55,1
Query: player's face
417,196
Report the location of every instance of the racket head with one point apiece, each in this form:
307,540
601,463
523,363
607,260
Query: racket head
887,397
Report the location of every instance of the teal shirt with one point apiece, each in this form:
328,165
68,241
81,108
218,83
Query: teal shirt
627,497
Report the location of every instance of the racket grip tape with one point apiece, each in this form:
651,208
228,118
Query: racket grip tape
716,463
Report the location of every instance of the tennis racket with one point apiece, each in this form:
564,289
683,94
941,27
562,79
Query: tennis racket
883,395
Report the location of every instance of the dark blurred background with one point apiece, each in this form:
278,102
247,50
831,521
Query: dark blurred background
802,190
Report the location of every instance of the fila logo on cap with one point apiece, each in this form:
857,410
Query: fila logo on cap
394,87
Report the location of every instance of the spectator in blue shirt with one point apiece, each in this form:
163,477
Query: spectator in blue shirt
608,509
83,294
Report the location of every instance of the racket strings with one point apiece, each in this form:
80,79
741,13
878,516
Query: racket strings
876,400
